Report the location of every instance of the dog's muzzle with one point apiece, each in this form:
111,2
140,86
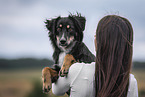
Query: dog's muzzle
63,43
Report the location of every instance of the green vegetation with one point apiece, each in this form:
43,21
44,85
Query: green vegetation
139,65
30,63
25,63
22,77
37,90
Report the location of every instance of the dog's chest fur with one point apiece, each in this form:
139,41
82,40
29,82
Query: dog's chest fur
64,52
61,58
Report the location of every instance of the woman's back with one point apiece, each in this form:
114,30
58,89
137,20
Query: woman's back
81,79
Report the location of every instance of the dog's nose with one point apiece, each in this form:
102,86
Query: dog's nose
63,41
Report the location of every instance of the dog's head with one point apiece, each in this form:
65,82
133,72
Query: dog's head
65,30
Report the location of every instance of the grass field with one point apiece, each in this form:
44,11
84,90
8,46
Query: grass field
26,83
22,83
140,76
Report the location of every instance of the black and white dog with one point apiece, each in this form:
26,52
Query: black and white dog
66,35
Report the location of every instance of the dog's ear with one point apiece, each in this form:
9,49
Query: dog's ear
51,24
79,20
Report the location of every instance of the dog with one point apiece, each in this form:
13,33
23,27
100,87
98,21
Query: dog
66,35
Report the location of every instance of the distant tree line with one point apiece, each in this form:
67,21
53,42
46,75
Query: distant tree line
30,63
25,63
138,65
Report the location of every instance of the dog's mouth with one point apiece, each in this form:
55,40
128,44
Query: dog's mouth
63,45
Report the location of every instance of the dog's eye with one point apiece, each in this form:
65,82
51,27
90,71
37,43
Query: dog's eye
69,28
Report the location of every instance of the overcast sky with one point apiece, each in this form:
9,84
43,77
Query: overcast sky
23,32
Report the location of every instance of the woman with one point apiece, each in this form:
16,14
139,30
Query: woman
111,76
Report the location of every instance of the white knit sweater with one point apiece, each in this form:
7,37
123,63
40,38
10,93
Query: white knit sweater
80,80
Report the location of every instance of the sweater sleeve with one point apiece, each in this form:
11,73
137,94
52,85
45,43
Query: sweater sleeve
61,86
63,83
133,88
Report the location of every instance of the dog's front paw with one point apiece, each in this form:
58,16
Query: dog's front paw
64,70
46,86
46,78
49,76
68,61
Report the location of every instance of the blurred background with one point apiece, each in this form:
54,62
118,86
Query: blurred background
25,48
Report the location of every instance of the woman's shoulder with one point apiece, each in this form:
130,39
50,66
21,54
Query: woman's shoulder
79,66
132,79
79,71
133,88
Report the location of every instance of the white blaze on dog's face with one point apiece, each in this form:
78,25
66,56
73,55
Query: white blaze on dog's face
65,33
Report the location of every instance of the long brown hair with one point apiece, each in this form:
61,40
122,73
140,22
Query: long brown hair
114,38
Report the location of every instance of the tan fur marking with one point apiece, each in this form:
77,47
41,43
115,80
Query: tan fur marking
68,61
47,74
